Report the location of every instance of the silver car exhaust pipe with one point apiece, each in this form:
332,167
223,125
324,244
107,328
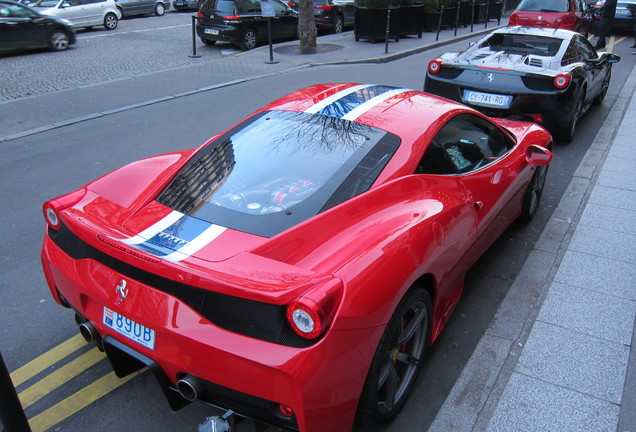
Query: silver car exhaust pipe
88,331
190,387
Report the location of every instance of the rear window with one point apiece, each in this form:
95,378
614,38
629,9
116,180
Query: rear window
523,44
544,6
278,169
226,7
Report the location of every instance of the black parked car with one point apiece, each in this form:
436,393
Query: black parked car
331,15
241,22
23,28
552,75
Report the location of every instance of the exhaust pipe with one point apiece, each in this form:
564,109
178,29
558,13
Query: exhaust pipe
190,387
88,332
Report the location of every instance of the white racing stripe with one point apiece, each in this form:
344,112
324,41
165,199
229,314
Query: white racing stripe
203,239
153,230
366,106
334,97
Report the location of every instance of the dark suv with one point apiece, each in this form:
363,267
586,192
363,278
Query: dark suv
331,15
241,22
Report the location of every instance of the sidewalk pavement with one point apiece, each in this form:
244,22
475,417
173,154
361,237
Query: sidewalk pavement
557,356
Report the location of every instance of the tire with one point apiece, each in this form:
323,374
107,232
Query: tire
110,21
338,24
533,194
208,42
601,96
577,112
248,41
160,9
59,40
397,360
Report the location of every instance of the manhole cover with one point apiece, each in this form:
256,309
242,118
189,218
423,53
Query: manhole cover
295,49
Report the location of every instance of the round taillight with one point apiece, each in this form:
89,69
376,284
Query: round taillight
304,320
435,65
52,208
51,217
562,80
285,410
311,314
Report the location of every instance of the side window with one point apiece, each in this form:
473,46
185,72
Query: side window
465,143
279,8
586,48
572,54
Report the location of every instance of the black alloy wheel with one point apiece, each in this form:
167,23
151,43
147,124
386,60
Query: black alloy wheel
601,96
397,360
533,194
568,133
59,40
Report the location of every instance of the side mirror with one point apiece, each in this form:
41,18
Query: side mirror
65,5
471,44
538,155
613,58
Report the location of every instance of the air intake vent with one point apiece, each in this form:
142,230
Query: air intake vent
534,61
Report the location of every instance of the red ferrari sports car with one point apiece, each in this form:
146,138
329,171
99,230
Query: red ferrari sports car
295,268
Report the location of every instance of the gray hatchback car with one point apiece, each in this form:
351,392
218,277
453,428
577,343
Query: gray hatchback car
130,8
82,13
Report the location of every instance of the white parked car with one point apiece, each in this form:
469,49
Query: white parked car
82,13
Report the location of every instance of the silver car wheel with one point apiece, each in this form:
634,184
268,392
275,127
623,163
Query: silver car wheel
110,21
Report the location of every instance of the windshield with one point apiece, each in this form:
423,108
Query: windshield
523,44
46,3
278,169
544,6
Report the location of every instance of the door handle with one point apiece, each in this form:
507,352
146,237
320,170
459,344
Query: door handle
478,205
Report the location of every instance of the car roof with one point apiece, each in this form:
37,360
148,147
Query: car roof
407,113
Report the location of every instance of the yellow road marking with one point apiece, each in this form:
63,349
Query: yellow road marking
49,383
46,360
76,402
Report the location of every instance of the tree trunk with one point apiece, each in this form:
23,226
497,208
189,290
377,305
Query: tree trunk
306,25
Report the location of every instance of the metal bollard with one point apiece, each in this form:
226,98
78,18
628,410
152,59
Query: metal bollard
194,33
12,418
388,29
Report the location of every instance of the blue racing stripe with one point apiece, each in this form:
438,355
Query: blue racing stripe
175,237
348,103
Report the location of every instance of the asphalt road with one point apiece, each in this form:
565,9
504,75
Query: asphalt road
38,167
